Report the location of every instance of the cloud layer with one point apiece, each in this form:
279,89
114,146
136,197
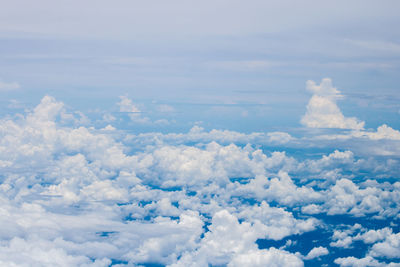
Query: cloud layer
76,195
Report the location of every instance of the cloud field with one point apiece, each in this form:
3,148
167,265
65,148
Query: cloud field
76,195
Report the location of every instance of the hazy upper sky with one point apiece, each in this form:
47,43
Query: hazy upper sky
250,57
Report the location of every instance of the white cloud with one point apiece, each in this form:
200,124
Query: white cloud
344,238
322,111
126,105
389,248
355,262
108,117
316,252
39,252
373,236
233,243
277,223
134,113
342,243
383,132
271,257
279,137
311,209
84,196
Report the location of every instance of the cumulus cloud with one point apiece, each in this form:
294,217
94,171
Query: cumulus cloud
198,134
389,248
383,132
279,137
316,252
277,223
271,257
126,105
363,262
76,195
373,236
233,243
322,110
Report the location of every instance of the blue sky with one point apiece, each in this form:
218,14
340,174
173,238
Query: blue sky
188,133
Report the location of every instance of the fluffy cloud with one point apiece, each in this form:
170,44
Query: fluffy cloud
271,257
383,132
373,236
126,105
363,262
229,241
390,248
316,252
277,223
76,195
39,252
322,110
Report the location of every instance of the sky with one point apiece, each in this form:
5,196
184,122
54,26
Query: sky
199,133
239,59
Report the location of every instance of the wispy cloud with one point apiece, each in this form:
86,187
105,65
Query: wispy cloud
8,86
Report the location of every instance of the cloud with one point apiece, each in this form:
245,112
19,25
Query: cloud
383,132
363,262
126,105
134,113
41,252
233,243
279,137
8,86
389,248
270,257
278,222
316,252
322,111
78,195
373,236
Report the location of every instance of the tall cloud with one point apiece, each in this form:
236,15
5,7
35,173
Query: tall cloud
322,110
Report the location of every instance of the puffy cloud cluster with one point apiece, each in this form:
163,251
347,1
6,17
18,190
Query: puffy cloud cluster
76,195
229,241
389,248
